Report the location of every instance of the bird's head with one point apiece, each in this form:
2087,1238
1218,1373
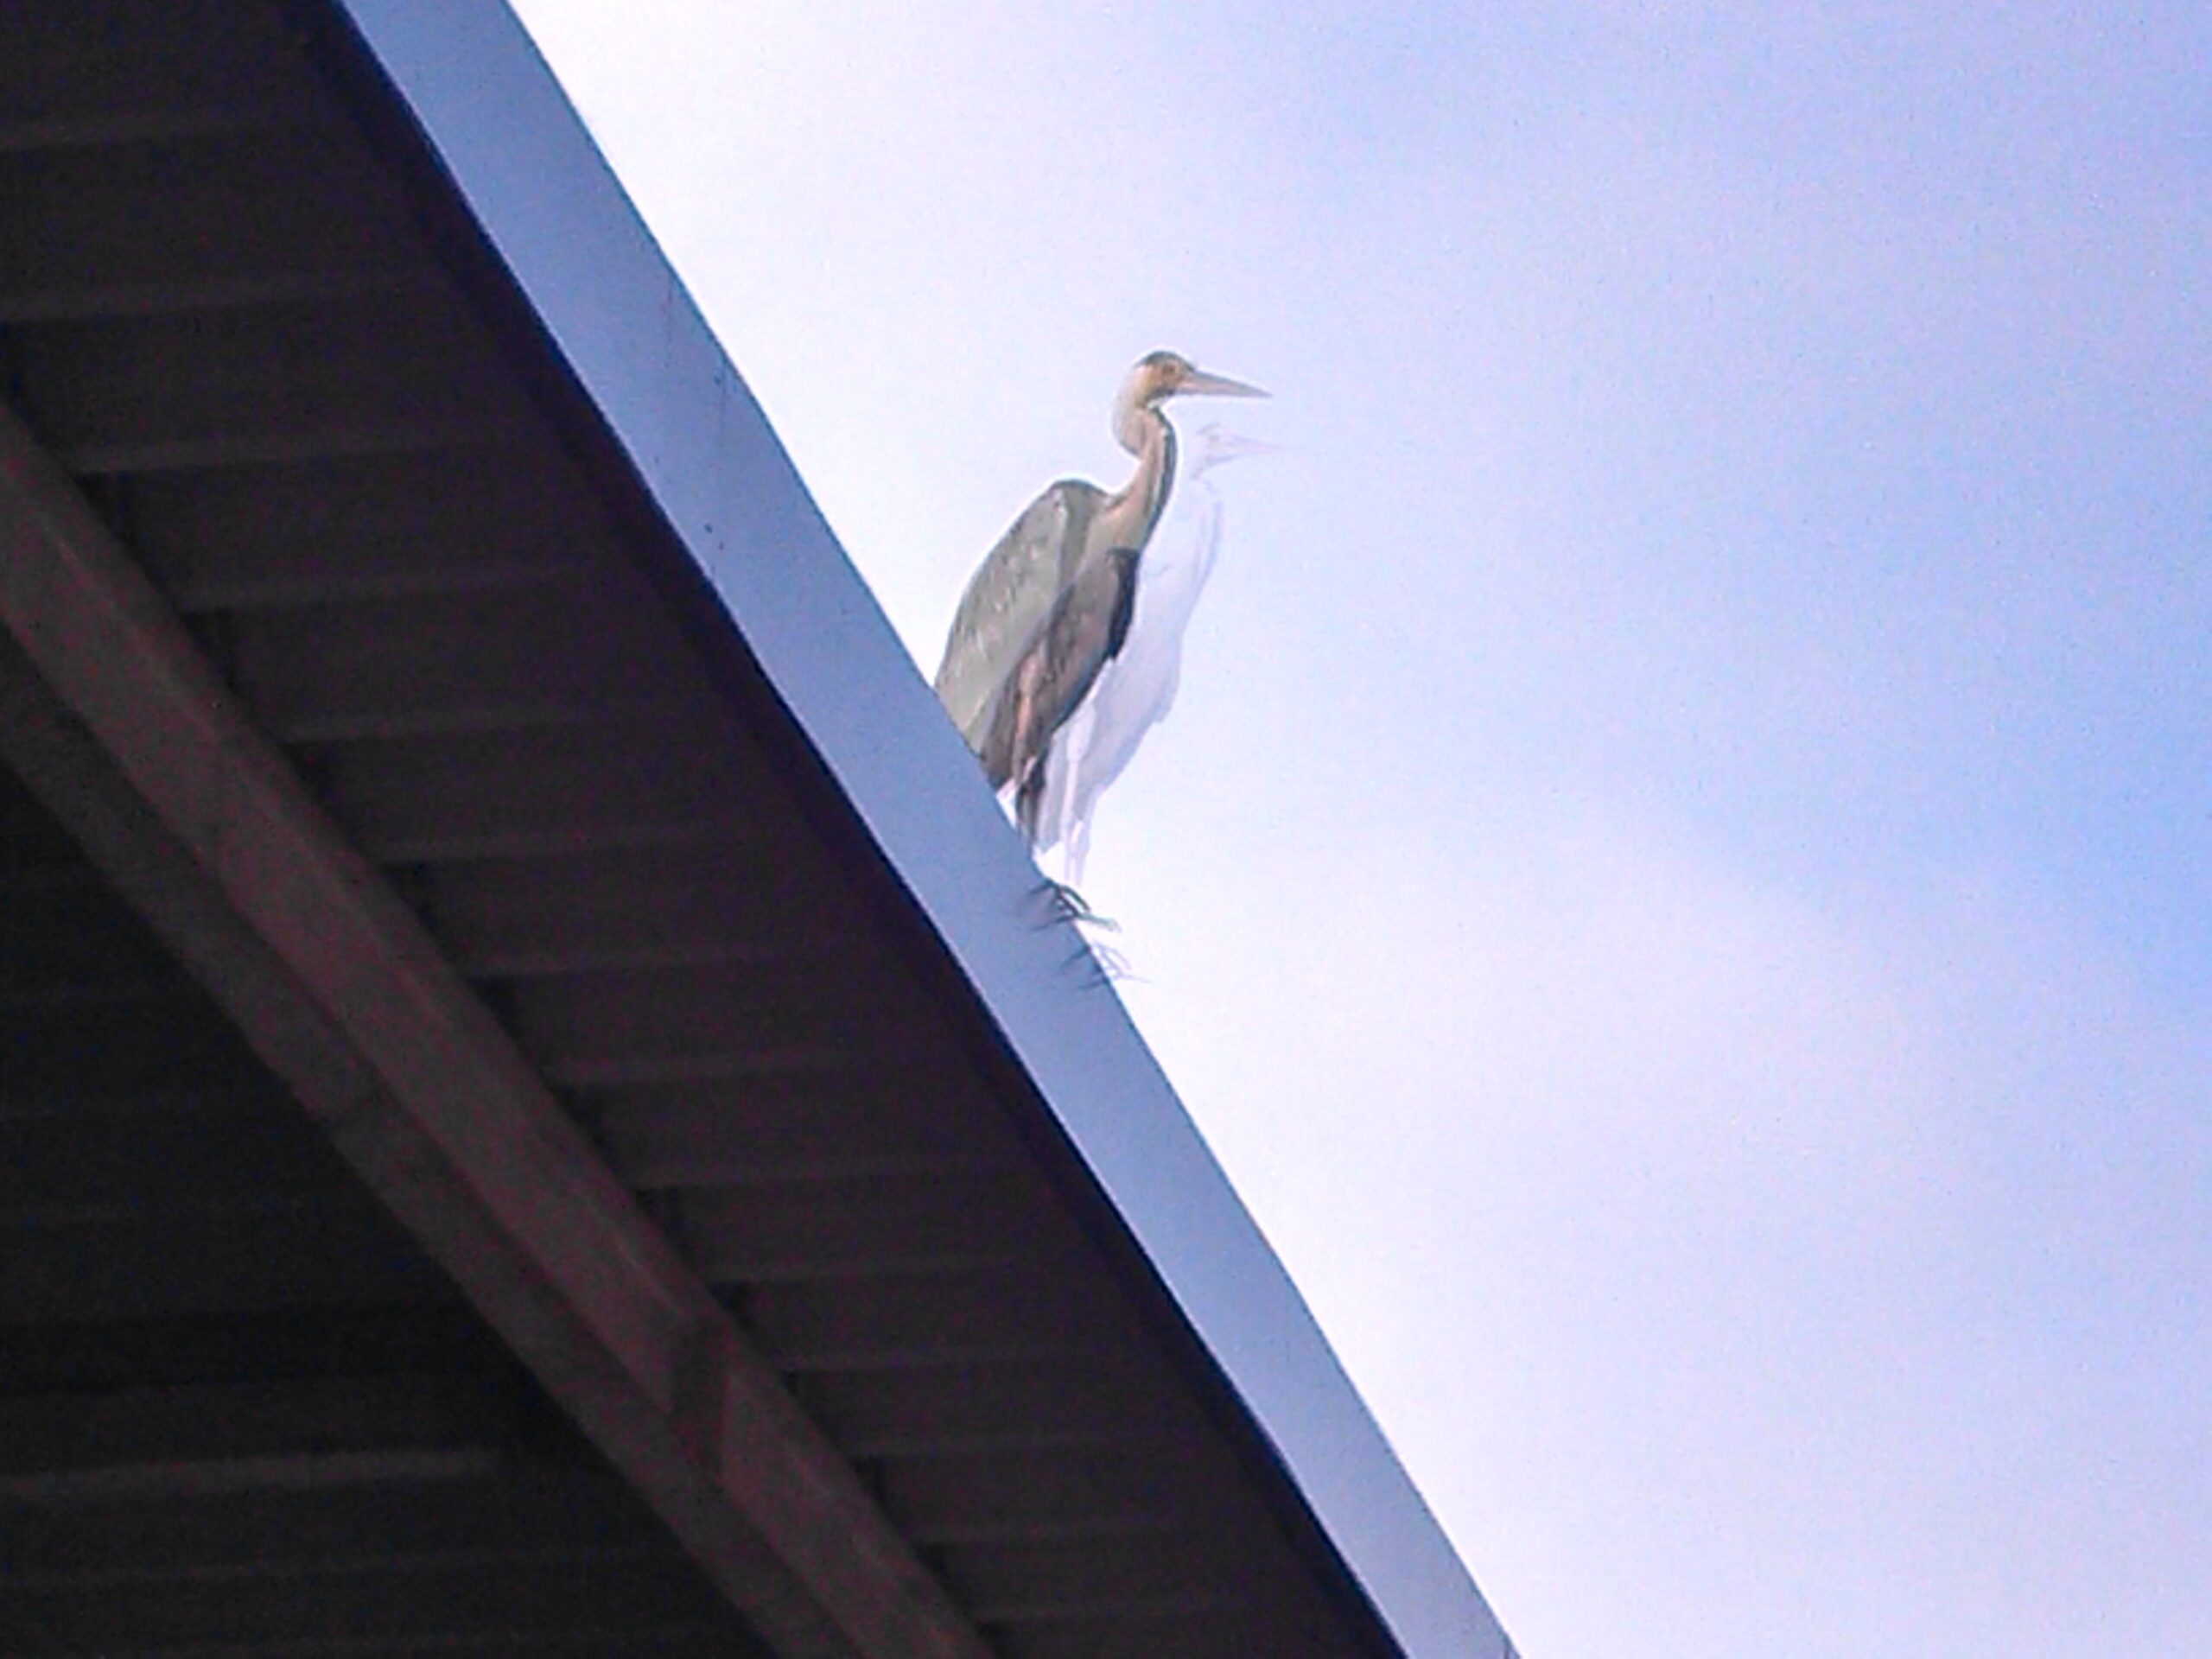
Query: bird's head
1159,376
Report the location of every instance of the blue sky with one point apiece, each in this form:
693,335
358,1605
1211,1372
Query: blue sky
1679,881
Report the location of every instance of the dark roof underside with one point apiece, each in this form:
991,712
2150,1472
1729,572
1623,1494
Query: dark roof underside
241,1412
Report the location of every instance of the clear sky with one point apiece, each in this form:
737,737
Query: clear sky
1679,881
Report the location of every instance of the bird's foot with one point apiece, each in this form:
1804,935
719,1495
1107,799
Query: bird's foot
1112,964
1065,904
1099,964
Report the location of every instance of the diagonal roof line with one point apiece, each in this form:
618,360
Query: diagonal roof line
771,584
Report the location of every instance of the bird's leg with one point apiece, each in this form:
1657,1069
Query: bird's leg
1077,851
1067,905
1027,798
1031,750
1075,738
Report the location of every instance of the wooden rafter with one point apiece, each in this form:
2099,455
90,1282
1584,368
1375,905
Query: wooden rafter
117,719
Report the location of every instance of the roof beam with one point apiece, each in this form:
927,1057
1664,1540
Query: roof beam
226,1476
123,456
94,127
112,715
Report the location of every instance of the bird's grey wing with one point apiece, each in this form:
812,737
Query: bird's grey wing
1008,601
1081,633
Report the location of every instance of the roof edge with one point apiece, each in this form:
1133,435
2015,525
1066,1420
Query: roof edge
630,337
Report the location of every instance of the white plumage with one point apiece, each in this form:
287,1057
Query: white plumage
1135,690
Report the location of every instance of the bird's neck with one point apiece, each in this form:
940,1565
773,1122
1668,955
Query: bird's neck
1145,433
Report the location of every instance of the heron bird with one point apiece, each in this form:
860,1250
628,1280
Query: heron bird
1082,633
1135,690
1051,604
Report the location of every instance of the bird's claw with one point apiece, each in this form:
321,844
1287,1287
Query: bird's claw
1112,964
1067,905
1105,965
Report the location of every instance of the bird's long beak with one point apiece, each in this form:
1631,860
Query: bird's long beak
1199,383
